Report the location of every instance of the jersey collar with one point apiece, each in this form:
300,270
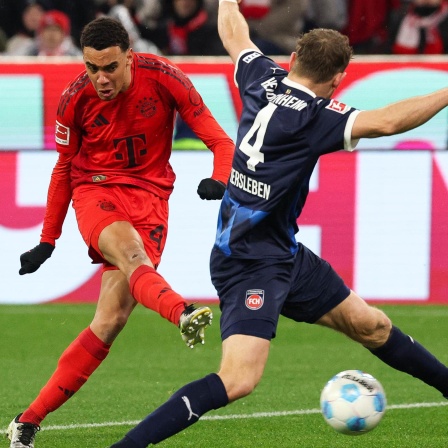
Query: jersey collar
296,85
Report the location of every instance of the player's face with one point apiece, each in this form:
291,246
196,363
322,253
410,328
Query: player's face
109,70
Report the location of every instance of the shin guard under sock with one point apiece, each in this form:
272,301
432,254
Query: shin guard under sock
151,290
79,360
184,408
403,353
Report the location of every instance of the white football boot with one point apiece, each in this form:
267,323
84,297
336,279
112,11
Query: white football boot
192,324
21,434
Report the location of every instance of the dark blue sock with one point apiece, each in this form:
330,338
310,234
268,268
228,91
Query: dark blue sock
184,408
403,353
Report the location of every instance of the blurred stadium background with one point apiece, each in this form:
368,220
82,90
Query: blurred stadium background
378,215
390,243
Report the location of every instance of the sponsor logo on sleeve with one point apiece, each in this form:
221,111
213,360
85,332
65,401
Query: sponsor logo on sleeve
254,299
336,106
250,57
62,134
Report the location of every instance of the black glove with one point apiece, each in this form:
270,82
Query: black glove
31,260
211,189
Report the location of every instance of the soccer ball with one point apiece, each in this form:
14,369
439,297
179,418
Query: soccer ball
353,402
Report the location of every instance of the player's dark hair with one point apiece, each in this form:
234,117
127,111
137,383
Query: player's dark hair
103,33
321,54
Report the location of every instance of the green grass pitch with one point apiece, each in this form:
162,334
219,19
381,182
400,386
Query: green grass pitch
149,361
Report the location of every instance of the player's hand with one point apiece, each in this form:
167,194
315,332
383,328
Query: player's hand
211,189
31,260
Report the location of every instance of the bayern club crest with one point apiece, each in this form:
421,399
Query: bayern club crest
254,299
147,107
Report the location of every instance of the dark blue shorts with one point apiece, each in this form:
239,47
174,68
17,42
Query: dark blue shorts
254,293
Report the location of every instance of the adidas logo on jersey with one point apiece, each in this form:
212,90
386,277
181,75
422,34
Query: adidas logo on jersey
99,121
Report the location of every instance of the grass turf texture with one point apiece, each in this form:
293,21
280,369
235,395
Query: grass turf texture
149,361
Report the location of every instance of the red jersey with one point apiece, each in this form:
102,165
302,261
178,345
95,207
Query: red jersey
128,139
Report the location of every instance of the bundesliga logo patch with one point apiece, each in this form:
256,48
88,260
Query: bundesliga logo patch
254,299
336,106
62,134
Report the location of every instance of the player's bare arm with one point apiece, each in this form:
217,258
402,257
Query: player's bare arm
399,117
233,29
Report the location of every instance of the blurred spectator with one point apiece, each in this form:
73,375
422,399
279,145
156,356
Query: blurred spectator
275,24
11,14
123,11
80,13
368,24
331,14
148,12
185,28
53,37
423,29
21,43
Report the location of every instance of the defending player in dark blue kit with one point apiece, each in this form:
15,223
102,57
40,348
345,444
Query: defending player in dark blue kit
259,270
284,129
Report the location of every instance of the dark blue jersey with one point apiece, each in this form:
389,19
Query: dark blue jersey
283,131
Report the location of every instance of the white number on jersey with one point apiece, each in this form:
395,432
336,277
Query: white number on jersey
260,124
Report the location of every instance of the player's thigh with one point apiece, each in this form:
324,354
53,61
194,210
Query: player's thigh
115,304
119,221
359,321
142,237
150,219
96,208
242,366
121,245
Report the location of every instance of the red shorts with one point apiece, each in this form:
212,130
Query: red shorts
97,206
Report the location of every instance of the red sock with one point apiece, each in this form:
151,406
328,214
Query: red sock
151,290
76,364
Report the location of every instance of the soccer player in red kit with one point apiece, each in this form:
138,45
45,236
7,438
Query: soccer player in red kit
114,133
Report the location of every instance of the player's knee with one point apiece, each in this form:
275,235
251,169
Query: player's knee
134,257
241,389
375,330
238,387
129,255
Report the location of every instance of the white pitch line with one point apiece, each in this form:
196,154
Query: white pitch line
238,416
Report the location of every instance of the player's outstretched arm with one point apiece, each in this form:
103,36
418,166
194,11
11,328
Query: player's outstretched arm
399,117
233,29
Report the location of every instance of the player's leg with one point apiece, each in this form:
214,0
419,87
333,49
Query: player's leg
121,245
252,294
105,218
243,361
114,307
82,357
359,321
248,322
374,330
320,296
